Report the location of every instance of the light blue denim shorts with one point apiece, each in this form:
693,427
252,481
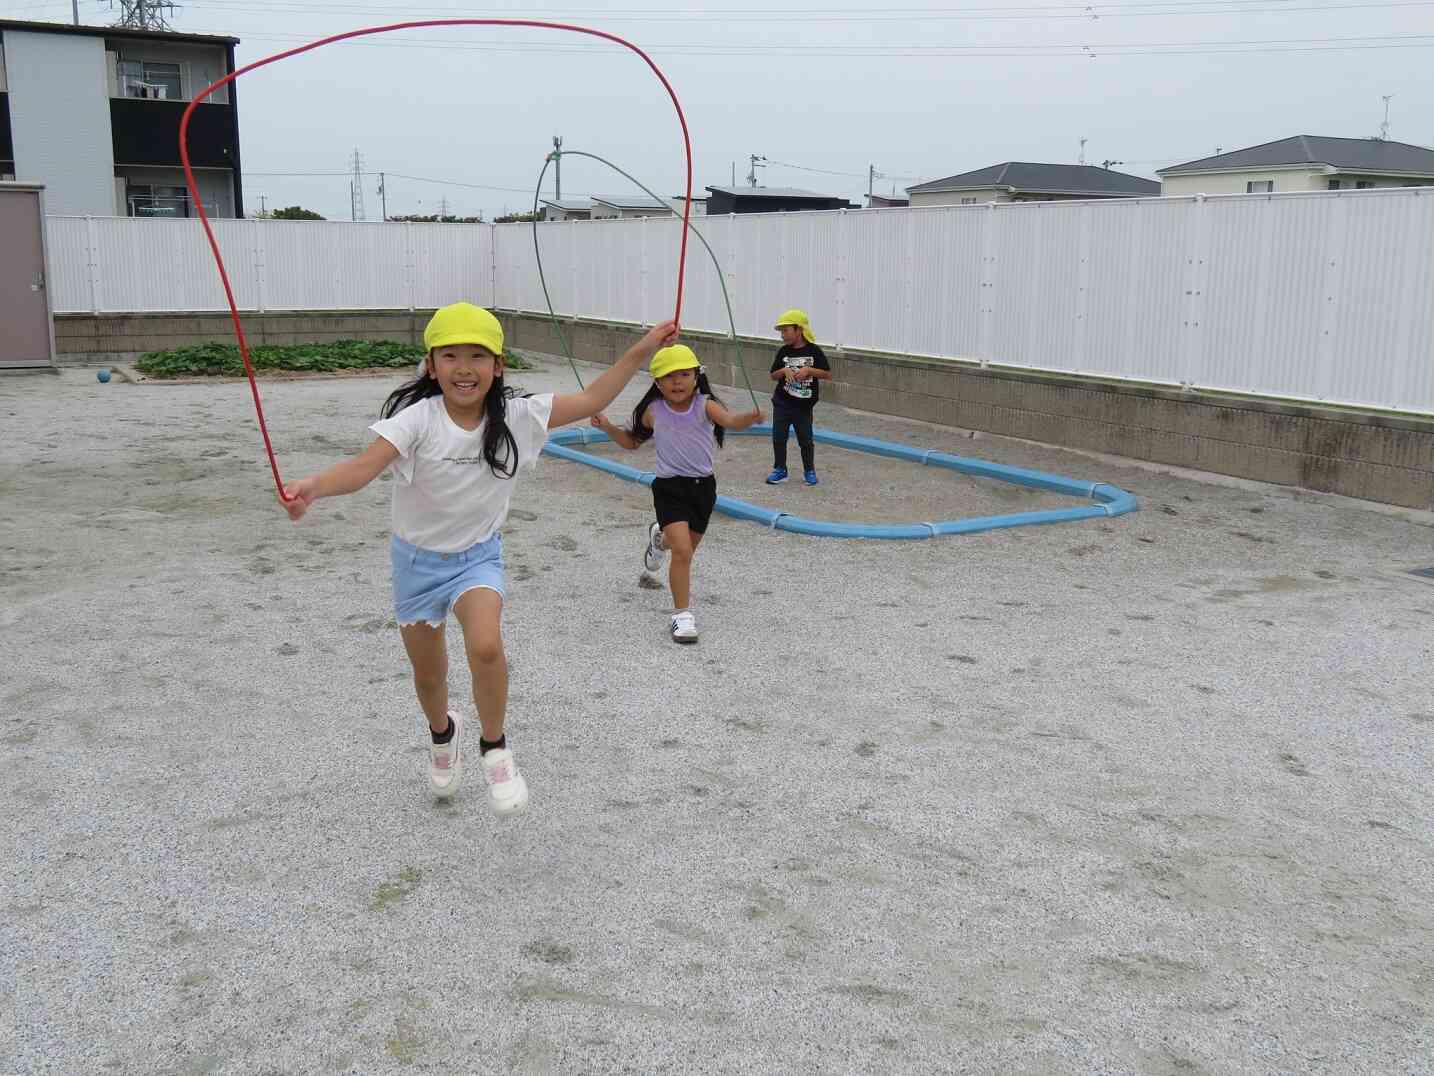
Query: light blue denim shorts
427,584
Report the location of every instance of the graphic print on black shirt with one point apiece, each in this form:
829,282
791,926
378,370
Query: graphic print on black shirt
802,393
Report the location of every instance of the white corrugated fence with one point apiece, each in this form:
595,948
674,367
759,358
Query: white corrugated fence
1319,296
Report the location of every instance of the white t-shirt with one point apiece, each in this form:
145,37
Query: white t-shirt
445,495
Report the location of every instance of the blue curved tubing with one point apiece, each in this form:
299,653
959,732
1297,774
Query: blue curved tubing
1112,501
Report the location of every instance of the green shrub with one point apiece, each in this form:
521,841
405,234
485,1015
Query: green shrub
222,360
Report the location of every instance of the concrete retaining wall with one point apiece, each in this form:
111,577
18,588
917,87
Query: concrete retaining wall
1374,456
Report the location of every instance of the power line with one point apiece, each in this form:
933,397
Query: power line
1048,12
396,175
1152,48
830,172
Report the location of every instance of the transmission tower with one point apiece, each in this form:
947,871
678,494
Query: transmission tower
356,209
144,14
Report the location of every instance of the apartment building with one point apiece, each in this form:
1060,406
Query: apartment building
93,113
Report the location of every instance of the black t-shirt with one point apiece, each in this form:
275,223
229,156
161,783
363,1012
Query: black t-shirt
799,393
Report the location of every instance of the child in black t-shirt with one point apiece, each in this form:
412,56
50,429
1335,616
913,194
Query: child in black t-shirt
799,369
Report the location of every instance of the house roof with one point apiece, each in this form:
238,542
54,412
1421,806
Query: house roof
633,201
113,31
1349,154
1043,178
774,192
569,205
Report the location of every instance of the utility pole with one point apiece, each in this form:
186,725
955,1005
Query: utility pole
557,168
383,195
872,175
1083,141
263,205
757,160
356,208
734,174
1384,127
75,8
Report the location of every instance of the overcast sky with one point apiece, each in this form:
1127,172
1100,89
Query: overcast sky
920,89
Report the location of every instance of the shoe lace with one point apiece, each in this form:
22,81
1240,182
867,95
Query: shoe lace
502,772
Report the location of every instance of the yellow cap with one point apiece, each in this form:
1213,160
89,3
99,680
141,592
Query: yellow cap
800,320
463,323
670,359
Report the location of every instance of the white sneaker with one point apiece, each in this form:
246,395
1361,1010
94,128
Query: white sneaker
445,761
684,627
507,791
655,555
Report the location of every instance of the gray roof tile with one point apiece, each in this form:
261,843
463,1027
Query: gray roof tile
1044,178
1352,154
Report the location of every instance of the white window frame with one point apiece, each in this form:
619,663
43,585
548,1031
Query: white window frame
1260,186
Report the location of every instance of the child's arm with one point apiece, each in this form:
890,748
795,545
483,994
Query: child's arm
605,387
349,476
724,418
619,435
819,370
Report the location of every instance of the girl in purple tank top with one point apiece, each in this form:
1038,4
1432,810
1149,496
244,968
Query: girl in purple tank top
683,418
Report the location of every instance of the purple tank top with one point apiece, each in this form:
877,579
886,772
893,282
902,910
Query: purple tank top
683,438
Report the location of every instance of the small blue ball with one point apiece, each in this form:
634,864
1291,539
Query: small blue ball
103,375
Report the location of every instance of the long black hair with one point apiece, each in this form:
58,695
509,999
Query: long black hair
500,450
641,433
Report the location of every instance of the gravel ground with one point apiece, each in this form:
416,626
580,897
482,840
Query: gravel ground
1139,795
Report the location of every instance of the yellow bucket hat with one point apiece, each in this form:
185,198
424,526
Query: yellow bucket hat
800,320
670,359
463,323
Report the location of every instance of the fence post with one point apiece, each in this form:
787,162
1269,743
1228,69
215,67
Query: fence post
1082,299
642,276
410,273
987,310
91,265
261,300
573,269
1196,255
909,284
493,264
729,268
839,282
1330,294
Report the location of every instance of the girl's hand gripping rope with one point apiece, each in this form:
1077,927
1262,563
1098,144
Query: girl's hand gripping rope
297,497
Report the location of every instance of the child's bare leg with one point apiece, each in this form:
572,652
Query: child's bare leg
428,654
682,544
480,612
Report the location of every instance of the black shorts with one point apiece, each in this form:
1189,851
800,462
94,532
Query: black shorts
685,500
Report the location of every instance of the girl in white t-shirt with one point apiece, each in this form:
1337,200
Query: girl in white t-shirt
455,438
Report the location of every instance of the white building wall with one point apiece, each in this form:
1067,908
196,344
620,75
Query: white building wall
1285,180
990,194
60,119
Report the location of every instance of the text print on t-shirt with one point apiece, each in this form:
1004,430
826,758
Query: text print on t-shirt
800,390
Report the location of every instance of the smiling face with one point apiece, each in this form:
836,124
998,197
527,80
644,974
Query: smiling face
792,335
677,387
465,373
